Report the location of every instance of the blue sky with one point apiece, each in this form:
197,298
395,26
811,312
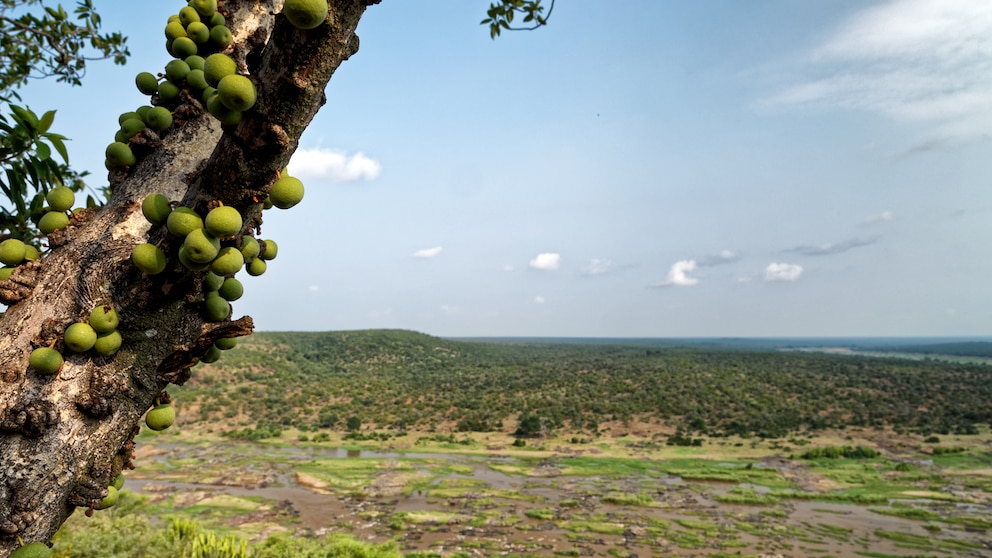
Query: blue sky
650,168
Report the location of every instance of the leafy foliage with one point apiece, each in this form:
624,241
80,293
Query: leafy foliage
500,15
50,43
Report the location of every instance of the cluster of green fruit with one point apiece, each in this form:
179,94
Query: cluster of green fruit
14,252
195,37
112,493
31,550
98,332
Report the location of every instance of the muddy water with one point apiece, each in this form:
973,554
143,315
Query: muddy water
491,512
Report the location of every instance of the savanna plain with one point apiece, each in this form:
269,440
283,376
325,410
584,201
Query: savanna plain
394,443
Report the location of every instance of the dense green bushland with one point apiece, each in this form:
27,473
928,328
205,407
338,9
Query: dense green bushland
387,379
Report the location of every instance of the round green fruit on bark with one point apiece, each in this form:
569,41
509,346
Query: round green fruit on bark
217,19
159,119
231,290
155,207
189,264
217,66
206,8
175,30
220,37
196,80
45,360
305,14
110,499
60,198
223,221
195,62
127,116
118,481
212,355
217,309
12,251
53,221
256,267
188,15
160,417
198,31
271,250
32,550
31,253
212,282
104,319
228,262
220,111
107,344
200,246
79,337
176,70
132,126
286,192
120,155
183,47
183,221
249,248
226,343
147,83
236,92
149,258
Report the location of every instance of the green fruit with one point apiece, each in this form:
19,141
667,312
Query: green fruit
149,259
160,417
120,155
286,192
226,343
249,248
198,31
45,360
195,62
212,355
188,15
212,282
159,118
156,208
226,116
206,8
200,246
208,93
31,253
231,290
147,83
220,37
183,221
305,14
142,112
121,137
228,262
256,267
191,265
176,70
217,309
108,343
175,30
196,80
217,67
104,319
183,47
5,272
236,92
217,19
132,126
32,550
12,251
60,198
53,221
223,221
271,250
118,481
110,499
127,116
79,337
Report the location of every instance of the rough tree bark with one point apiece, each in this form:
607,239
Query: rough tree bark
63,438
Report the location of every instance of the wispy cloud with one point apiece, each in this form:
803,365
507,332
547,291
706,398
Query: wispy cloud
724,257
879,218
547,261
333,165
428,252
830,249
783,272
917,60
598,266
679,275
540,300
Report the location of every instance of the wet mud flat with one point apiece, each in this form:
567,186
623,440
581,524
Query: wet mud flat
563,504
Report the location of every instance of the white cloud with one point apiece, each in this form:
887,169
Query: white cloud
334,165
678,275
540,299
313,288
924,60
598,266
507,267
724,257
427,252
546,261
783,272
883,217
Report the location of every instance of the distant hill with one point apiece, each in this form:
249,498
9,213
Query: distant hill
395,379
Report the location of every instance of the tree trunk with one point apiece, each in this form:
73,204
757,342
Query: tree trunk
64,437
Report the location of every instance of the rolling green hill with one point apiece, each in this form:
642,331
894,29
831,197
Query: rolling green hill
391,379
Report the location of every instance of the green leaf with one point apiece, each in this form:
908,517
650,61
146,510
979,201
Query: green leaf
43,151
46,121
56,141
